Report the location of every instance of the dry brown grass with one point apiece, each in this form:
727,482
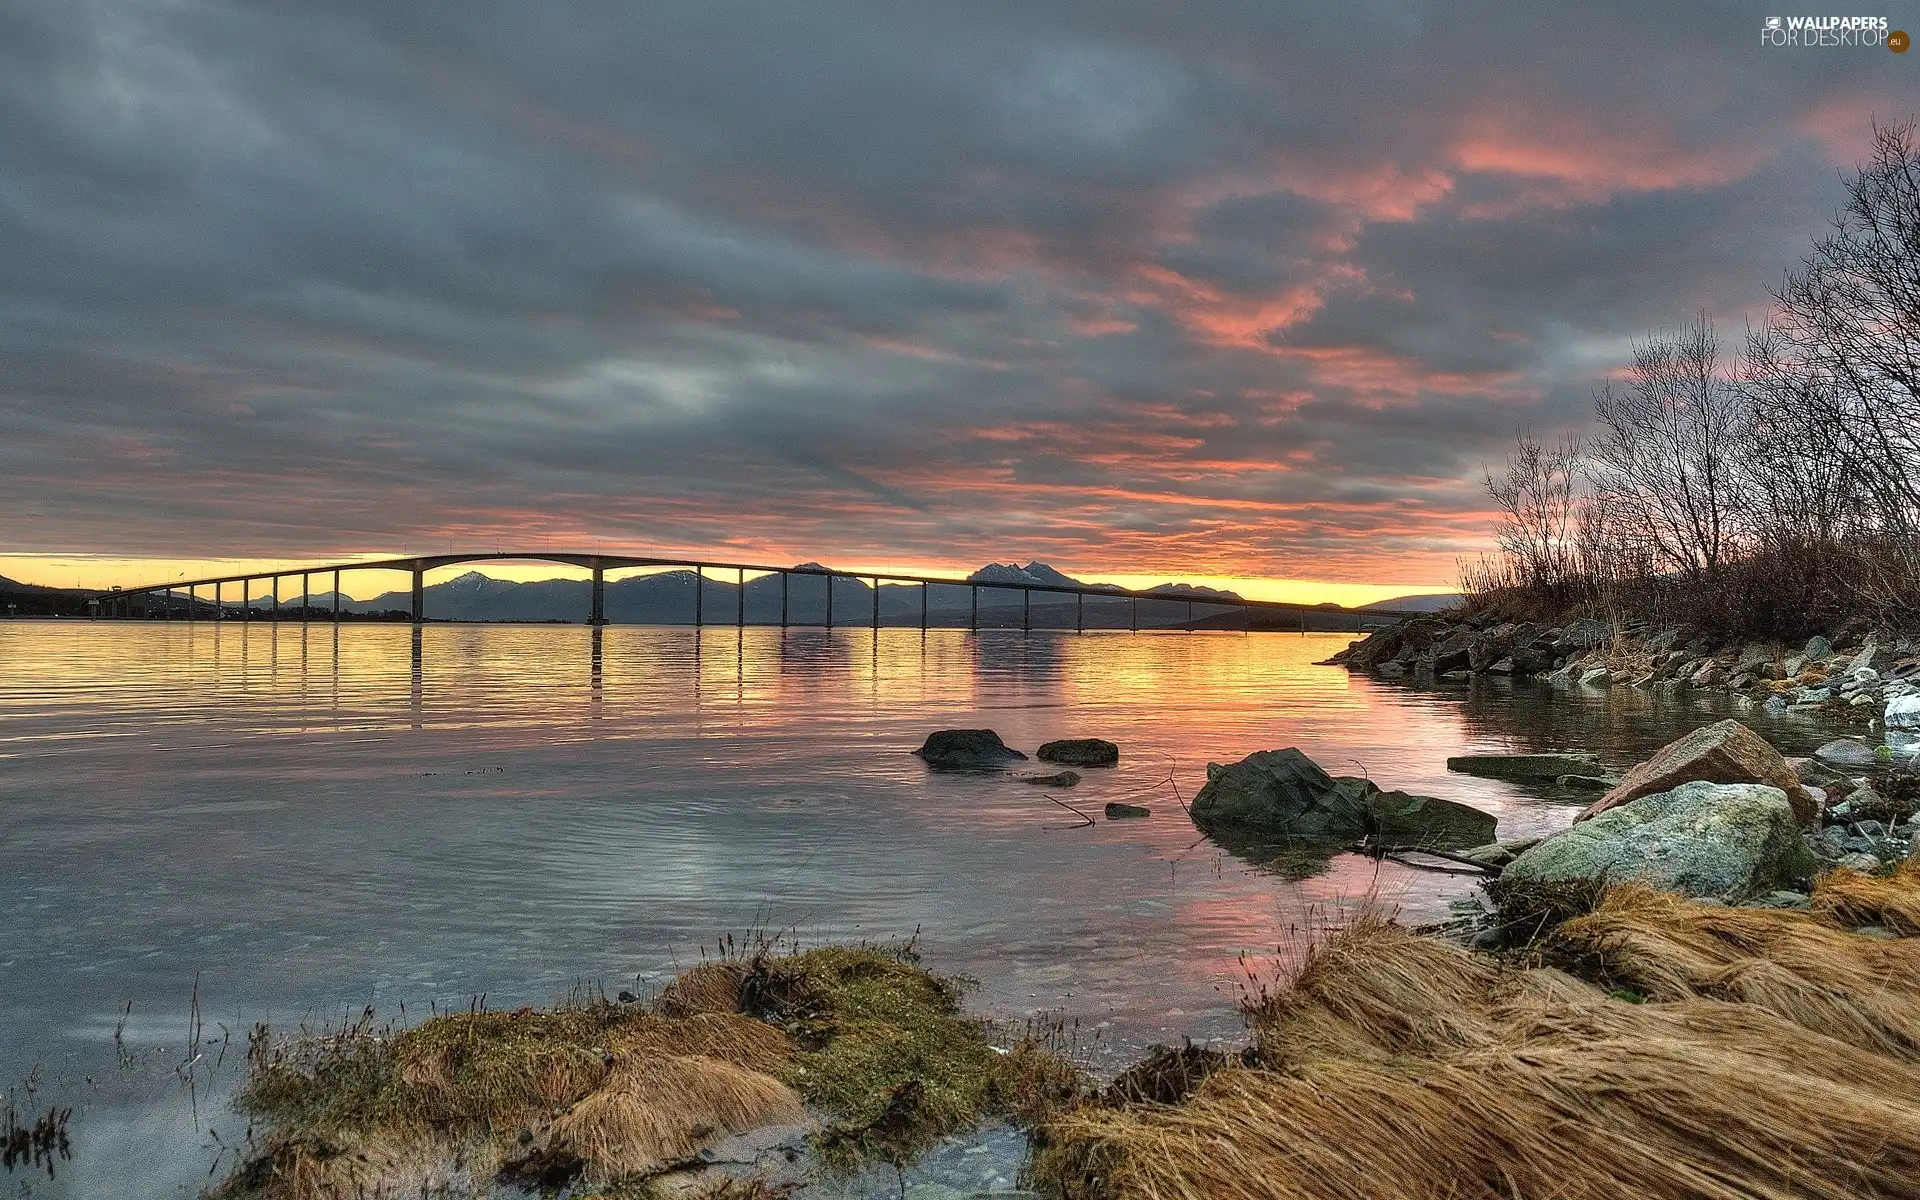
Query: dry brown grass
1863,990
708,988
1848,897
1399,1066
654,1113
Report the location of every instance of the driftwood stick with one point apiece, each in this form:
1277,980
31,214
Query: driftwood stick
1394,853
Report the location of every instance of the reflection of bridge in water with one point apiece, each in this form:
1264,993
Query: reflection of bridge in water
806,597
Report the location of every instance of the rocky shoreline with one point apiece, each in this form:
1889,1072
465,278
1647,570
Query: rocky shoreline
1849,674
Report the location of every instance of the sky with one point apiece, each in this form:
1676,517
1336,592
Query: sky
1221,291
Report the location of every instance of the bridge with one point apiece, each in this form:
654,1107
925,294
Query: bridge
159,600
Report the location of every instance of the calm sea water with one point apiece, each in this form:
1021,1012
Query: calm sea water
294,823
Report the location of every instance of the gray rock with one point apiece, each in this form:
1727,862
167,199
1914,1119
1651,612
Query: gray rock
1059,779
1732,841
1860,861
1784,899
1285,794
1080,752
1583,634
1591,783
1873,656
1819,649
1847,754
1117,811
1774,706
1525,766
967,750
1597,677
1869,829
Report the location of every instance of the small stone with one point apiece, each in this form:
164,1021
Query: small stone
1818,648
1059,779
1784,899
1847,753
1597,677
1859,860
1869,829
1080,752
1122,812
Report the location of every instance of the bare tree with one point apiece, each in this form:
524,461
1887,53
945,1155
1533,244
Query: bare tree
1664,463
1536,499
1846,331
1800,469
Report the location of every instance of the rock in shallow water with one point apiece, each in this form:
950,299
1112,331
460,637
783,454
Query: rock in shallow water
1525,766
967,750
1117,811
1059,779
1730,841
1080,752
1285,794
1724,752
1847,754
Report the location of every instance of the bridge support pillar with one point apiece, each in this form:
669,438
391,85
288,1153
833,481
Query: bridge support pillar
193,598
699,597
923,608
219,609
336,596
276,597
973,615
740,597
1026,610
829,601
306,596
419,599
783,599
598,615
1133,620
876,603
246,599
1189,616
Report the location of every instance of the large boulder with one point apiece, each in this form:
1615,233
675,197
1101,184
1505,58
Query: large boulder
1450,653
1284,795
1730,841
1726,752
967,750
1080,752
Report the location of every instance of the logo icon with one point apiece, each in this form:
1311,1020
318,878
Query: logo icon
1898,41
1773,24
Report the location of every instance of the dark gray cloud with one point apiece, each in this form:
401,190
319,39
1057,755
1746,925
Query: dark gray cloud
1229,287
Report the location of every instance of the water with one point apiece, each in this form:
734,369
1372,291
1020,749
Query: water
291,823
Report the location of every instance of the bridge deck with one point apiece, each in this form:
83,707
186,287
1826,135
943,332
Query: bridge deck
599,564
